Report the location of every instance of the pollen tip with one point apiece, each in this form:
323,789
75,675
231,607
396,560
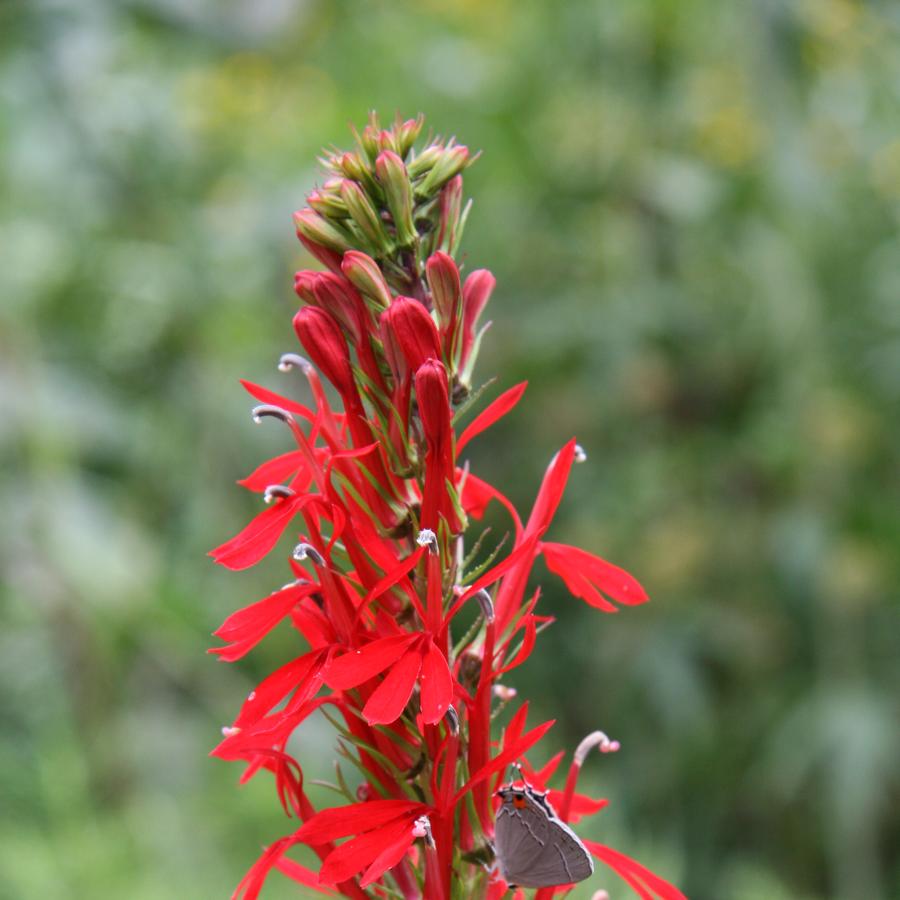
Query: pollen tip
598,739
427,538
580,455
230,730
307,551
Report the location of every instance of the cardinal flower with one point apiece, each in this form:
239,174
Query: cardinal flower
402,627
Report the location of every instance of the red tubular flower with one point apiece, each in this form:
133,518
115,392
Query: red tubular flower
376,498
322,338
476,293
446,292
407,325
434,409
384,829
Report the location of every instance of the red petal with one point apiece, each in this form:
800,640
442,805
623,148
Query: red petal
264,395
509,754
301,875
248,626
551,490
358,666
391,696
491,414
355,855
274,471
340,821
579,806
251,544
390,856
436,685
645,883
585,575
303,673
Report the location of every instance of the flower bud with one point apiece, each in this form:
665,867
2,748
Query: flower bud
476,293
407,134
451,162
365,216
413,330
304,283
327,203
367,278
449,224
322,338
394,180
423,162
446,292
315,228
336,295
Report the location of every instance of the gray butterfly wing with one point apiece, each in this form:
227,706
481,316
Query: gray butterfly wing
520,834
535,849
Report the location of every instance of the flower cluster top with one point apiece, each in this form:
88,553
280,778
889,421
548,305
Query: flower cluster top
380,500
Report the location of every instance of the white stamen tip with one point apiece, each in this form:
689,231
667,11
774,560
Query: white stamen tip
427,538
580,455
598,739
307,551
230,730
277,492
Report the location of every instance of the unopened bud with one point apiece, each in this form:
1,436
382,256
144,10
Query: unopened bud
320,231
394,180
407,133
424,161
443,279
365,275
328,204
364,215
451,162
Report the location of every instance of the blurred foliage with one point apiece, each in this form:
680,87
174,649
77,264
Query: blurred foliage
691,209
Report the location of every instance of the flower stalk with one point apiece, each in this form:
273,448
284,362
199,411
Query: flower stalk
379,503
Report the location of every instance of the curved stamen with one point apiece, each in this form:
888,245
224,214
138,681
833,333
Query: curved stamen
277,492
451,717
307,551
290,361
260,412
597,739
486,604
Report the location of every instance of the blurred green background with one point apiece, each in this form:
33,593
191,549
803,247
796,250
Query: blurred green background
691,209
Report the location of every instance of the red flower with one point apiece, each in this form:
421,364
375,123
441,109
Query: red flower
376,499
385,830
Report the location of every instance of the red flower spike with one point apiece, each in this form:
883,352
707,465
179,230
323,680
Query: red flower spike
382,501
